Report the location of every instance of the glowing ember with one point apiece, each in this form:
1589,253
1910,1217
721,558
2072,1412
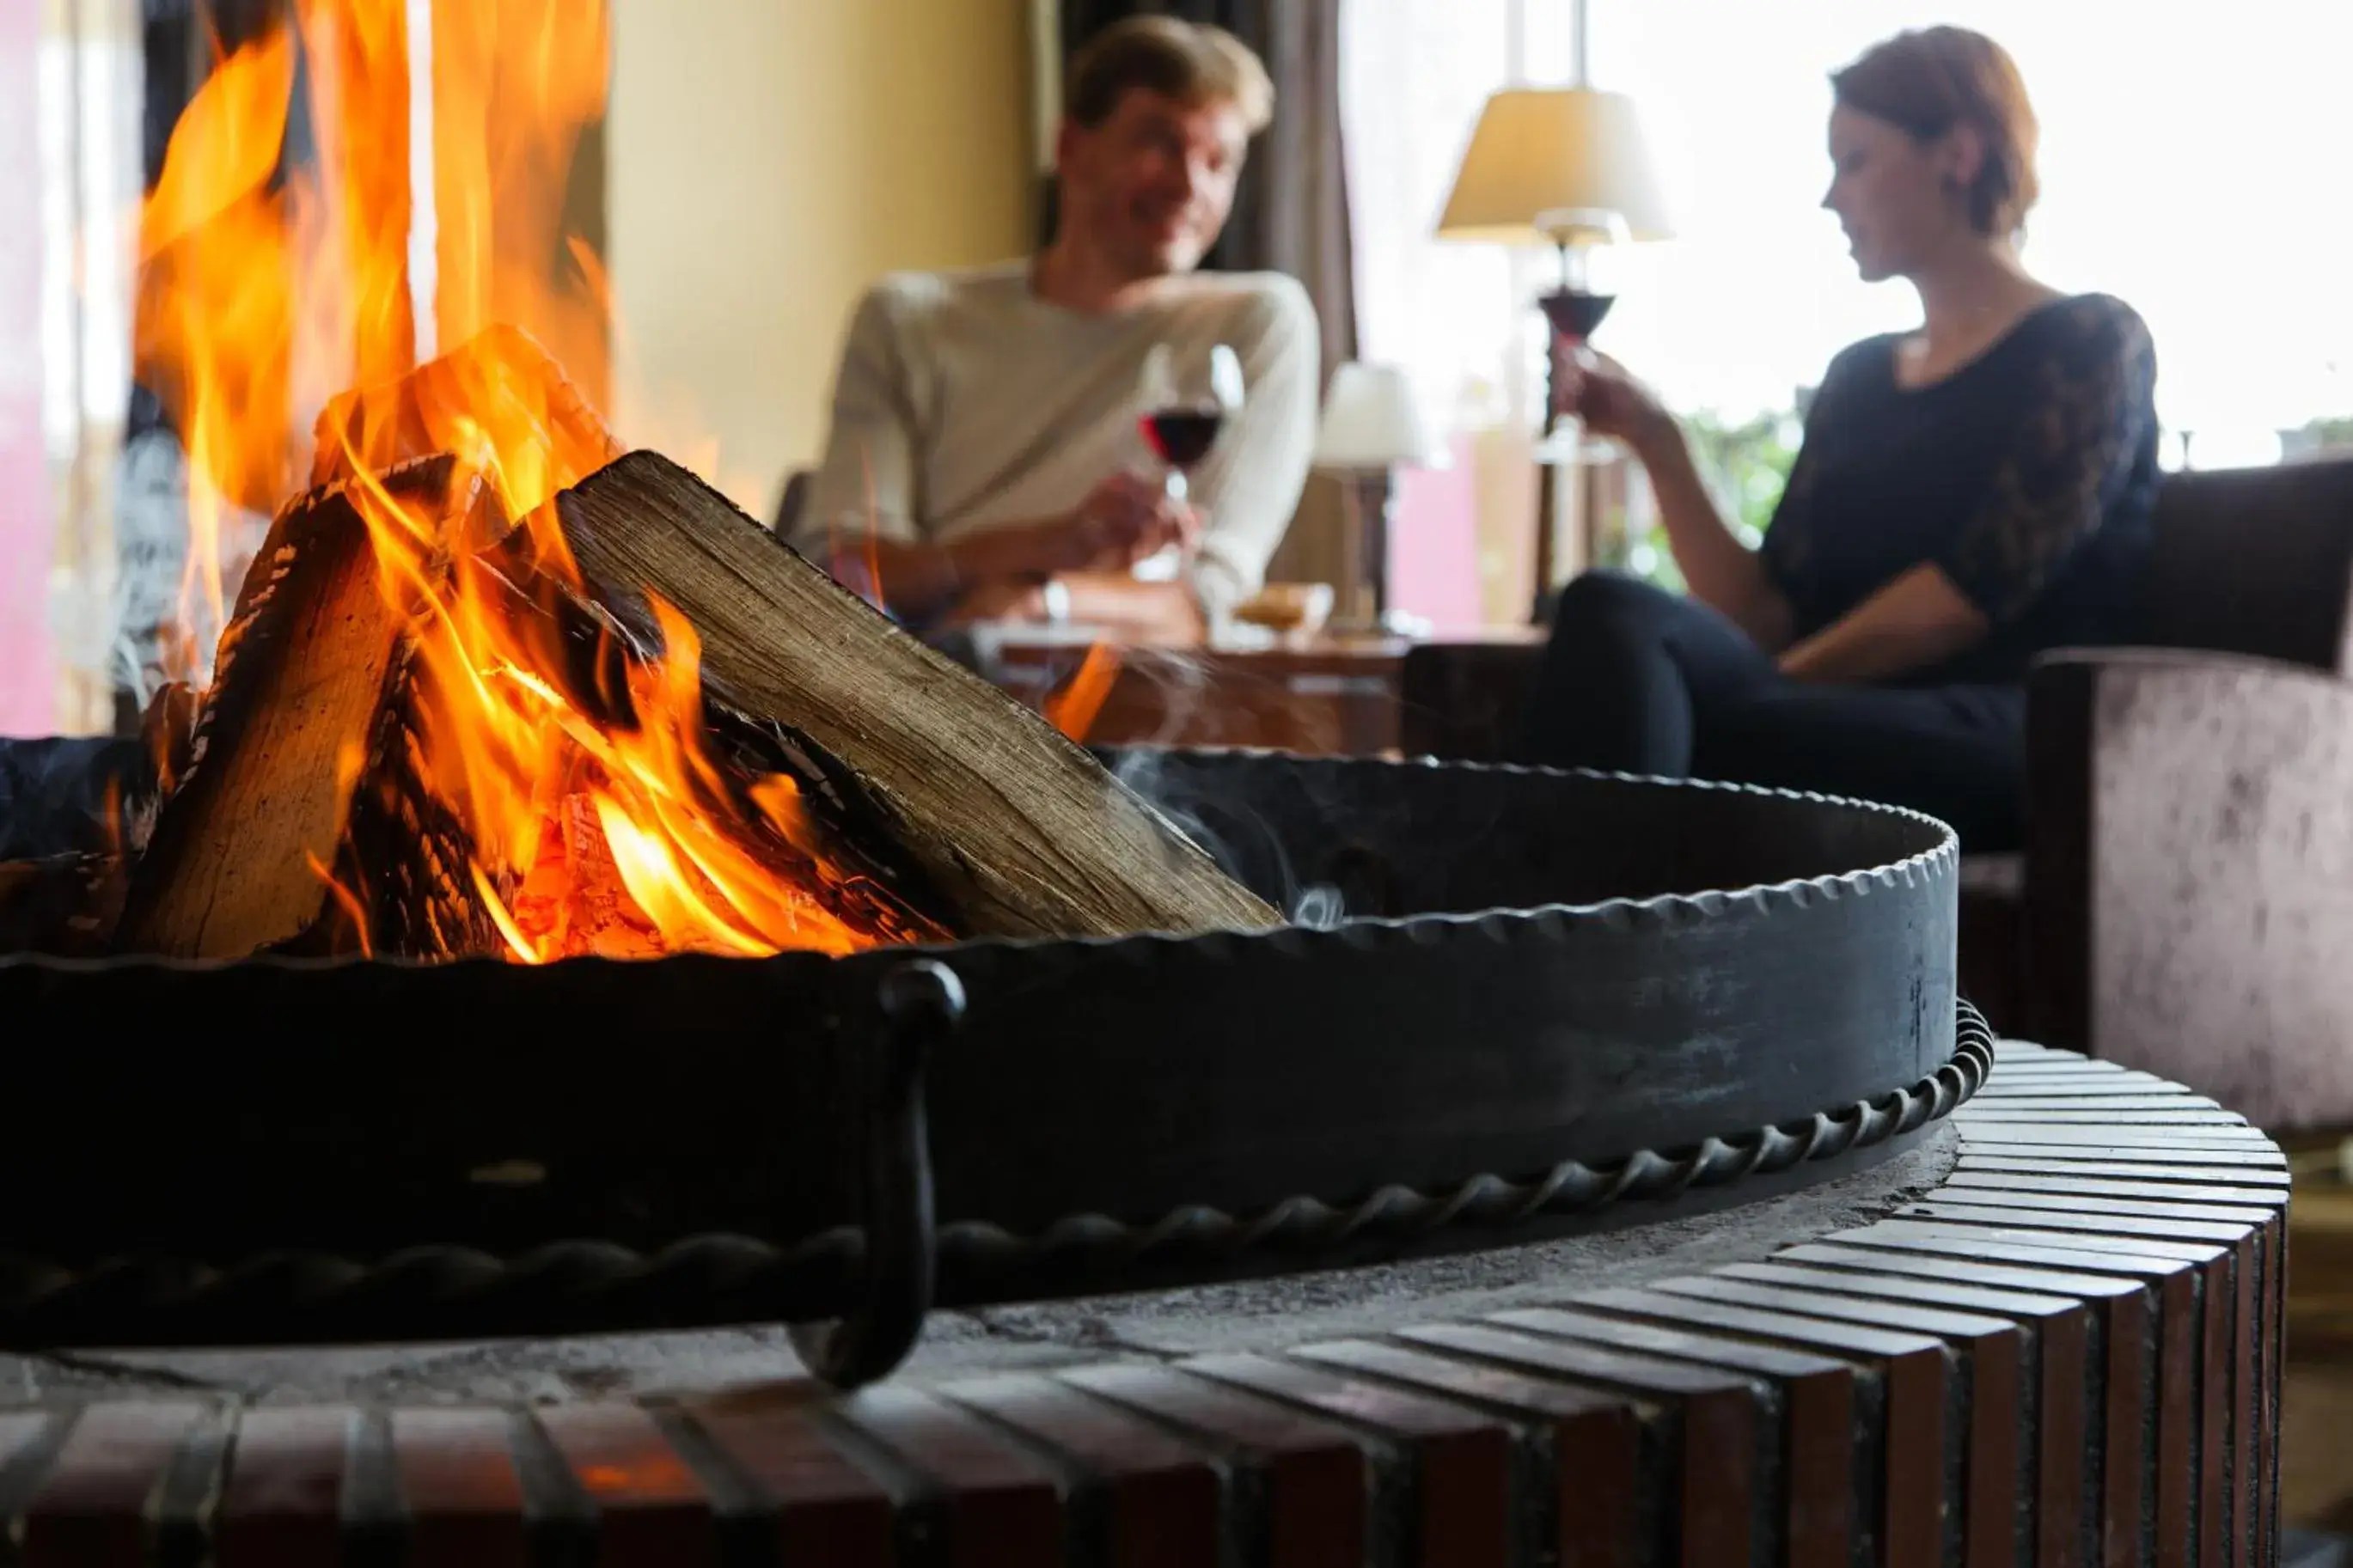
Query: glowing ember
601,818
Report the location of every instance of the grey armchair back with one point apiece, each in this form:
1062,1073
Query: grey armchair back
2256,562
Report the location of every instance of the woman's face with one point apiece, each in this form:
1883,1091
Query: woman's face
1896,197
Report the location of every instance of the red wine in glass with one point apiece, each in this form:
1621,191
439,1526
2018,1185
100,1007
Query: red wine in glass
1574,313
1186,394
1181,436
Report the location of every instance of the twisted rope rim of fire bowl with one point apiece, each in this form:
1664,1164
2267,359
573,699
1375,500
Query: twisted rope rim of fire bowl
1400,1213
589,1286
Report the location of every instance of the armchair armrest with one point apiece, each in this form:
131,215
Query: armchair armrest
1465,701
2189,873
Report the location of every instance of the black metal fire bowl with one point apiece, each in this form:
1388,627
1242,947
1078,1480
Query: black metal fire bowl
1556,1002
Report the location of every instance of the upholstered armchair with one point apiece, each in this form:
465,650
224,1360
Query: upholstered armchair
2186,904
2185,900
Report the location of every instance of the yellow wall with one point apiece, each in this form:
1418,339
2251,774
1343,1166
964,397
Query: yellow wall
768,158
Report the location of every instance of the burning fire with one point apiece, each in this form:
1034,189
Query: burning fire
601,819
1073,709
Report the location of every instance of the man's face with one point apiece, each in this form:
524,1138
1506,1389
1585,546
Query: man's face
1152,184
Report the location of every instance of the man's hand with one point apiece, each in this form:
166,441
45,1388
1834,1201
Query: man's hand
999,599
1123,521
1162,614
1130,520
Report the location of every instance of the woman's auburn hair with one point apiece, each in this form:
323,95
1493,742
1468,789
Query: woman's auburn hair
1927,82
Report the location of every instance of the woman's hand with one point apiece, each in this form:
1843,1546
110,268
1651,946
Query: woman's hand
1916,621
1718,569
1598,390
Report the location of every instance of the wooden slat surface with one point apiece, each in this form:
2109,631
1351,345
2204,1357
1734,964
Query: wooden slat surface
1164,1500
1596,1438
824,1504
2066,1353
1000,1507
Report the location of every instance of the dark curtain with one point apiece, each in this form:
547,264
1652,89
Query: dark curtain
1291,210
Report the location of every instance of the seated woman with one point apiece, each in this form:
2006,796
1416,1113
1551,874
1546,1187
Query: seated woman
1967,494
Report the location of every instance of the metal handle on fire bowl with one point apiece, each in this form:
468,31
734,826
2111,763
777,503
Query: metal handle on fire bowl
921,1004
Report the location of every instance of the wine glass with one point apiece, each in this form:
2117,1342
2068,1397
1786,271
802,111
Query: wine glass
1186,392
1572,311
1184,395
1566,440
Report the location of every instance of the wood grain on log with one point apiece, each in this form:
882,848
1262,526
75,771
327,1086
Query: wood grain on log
1022,832
300,752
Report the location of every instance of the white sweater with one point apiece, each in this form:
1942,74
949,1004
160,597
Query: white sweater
963,401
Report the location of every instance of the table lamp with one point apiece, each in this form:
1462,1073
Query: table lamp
1372,427
1566,166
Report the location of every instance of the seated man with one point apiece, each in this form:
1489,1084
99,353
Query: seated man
985,459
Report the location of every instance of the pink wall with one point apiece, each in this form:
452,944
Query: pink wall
28,676
1434,542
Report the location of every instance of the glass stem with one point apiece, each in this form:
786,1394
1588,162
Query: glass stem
1175,487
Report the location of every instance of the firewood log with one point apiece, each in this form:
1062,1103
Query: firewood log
298,822
1021,832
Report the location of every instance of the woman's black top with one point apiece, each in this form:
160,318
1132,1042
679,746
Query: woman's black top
2027,475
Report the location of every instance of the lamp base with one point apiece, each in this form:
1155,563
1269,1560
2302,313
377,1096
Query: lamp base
1365,502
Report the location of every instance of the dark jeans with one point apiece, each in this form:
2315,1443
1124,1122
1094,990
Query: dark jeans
1640,681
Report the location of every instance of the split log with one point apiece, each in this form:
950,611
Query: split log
1019,830
299,824
500,379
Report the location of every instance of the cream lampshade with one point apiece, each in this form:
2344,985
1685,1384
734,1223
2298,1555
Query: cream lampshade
1373,425
1551,165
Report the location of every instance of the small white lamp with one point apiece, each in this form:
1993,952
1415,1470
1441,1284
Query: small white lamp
1373,425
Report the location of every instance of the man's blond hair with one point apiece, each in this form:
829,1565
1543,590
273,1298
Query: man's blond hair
1190,62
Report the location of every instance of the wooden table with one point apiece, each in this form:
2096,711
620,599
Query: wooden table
1329,694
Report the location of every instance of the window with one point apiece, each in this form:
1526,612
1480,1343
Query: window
1414,75
68,235
2189,165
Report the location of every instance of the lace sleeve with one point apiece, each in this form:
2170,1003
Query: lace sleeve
2088,411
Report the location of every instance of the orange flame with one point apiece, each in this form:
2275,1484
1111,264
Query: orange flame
1074,708
215,319
599,816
